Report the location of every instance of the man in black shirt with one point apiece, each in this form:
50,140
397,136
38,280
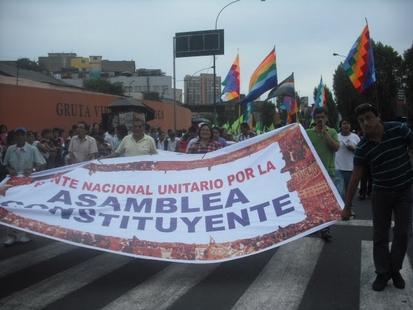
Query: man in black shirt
384,150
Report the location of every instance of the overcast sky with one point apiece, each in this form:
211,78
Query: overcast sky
305,33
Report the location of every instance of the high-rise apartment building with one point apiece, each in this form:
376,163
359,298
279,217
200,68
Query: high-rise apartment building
199,90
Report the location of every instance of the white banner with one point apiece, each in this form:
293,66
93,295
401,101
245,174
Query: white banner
237,201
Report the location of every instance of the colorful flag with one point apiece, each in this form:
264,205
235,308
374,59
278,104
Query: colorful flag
285,88
232,82
320,96
290,104
359,64
287,103
264,77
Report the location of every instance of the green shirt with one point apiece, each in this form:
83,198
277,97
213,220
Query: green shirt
326,155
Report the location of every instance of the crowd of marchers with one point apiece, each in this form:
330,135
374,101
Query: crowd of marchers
382,153
53,147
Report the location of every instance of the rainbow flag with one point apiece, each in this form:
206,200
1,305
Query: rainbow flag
264,77
320,97
232,82
359,64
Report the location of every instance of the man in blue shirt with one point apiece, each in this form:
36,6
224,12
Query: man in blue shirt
384,150
21,159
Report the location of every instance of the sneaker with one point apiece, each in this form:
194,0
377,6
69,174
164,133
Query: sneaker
352,214
381,282
398,280
325,235
10,240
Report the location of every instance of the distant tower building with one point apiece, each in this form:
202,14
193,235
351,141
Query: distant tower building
199,90
95,63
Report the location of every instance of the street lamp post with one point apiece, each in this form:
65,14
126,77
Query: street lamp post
213,65
339,55
130,86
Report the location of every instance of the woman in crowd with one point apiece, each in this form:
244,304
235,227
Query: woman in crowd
205,142
216,134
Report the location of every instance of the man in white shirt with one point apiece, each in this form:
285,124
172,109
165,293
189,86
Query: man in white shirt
82,147
345,154
137,143
111,138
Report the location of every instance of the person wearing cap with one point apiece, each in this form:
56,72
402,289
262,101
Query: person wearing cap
384,149
21,159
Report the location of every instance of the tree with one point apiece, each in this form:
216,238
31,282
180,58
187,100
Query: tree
388,68
103,86
26,63
267,113
347,98
408,78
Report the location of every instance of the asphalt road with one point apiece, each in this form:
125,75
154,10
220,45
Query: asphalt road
304,274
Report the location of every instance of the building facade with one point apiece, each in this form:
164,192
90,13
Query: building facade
56,62
135,86
199,90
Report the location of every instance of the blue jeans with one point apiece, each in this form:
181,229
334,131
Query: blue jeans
341,181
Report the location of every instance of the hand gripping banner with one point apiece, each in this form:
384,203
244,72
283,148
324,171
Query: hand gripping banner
240,200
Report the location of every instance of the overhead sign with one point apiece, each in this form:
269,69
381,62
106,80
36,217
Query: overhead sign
199,43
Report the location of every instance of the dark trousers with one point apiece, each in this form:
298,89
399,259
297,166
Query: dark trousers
365,184
384,204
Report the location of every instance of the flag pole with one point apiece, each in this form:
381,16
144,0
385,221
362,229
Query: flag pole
376,86
295,100
239,92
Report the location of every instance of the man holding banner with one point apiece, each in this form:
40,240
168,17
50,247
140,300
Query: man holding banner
384,149
137,143
21,159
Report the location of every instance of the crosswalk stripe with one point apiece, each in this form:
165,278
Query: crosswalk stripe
33,257
163,289
282,283
366,223
53,288
391,297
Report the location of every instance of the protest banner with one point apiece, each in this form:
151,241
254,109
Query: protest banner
237,201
